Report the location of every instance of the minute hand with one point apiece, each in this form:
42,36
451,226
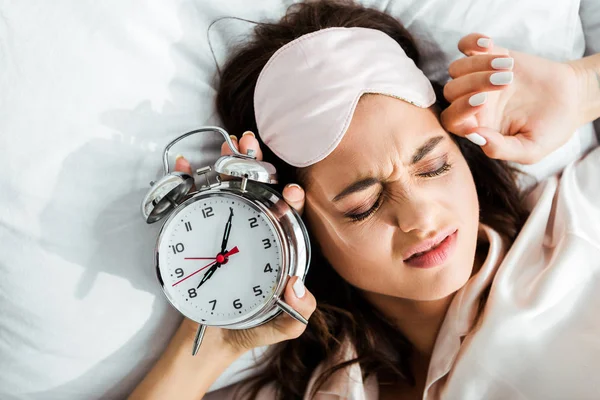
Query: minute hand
227,231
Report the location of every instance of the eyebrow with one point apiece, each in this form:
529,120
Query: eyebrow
363,184
425,149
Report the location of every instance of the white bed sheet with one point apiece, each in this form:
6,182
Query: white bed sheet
90,92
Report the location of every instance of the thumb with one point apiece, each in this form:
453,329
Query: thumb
183,165
518,148
293,194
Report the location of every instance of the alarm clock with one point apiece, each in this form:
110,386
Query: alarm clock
226,250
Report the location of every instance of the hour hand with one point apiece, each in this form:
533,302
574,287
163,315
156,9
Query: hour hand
208,274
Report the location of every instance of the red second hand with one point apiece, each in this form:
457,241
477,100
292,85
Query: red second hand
194,273
235,250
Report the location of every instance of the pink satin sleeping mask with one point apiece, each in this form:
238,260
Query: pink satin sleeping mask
307,93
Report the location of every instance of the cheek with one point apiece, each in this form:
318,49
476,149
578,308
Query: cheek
462,196
350,255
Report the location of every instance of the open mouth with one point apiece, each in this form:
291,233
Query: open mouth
426,251
436,255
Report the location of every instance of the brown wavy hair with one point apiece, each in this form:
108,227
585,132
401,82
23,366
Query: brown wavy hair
342,312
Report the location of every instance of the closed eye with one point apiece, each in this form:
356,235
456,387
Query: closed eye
356,217
443,169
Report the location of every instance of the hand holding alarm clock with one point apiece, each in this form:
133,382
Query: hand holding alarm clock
233,254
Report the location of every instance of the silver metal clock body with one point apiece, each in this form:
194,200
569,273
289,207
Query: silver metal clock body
172,196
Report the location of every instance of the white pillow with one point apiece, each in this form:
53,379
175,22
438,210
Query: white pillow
90,92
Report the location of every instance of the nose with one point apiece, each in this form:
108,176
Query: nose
417,216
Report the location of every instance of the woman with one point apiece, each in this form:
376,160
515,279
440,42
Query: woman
412,225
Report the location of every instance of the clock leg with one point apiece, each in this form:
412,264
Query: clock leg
198,339
291,312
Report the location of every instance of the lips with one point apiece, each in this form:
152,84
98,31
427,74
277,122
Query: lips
437,252
428,244
423,252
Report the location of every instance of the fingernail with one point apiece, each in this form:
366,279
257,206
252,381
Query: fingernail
476,138
483,42
478,99
178,156
501,78
234,138
503,63
248,133
297,196
299,288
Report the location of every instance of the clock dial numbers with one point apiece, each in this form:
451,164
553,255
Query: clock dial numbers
220,258
208,212
177,248
236,304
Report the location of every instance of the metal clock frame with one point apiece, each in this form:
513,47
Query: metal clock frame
171,195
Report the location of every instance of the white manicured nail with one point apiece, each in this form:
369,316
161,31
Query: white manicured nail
476,138
294,185
299,288
478,99
503,63
501,78
483,42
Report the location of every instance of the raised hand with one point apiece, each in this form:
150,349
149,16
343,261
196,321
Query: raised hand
522,119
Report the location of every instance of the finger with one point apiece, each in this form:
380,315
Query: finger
518,148
459,117
293,194
248,141
225,150
475,43
479,63
300,299
183,165
477,82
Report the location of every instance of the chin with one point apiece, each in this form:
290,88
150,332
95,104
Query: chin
449,279
446,289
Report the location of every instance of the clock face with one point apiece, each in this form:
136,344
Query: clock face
212,283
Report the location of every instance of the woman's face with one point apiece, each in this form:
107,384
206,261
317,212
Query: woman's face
395,180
